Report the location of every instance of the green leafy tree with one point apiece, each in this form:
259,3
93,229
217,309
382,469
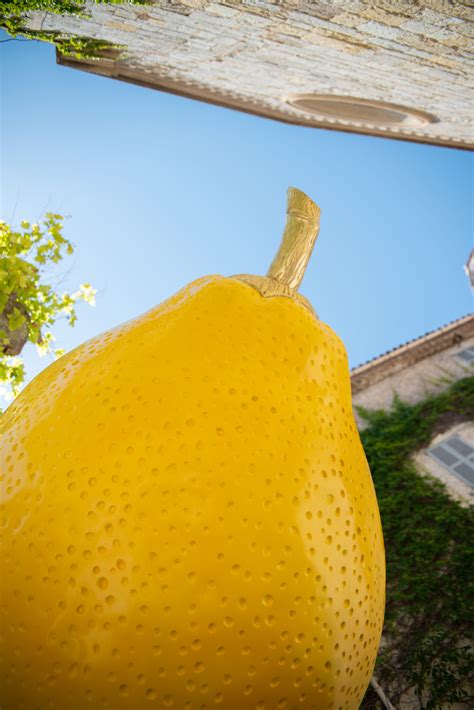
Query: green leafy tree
29,304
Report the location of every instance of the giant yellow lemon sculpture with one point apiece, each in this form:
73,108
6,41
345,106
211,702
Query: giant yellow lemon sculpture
188,516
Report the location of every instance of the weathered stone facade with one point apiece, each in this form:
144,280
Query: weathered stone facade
257,55
414,371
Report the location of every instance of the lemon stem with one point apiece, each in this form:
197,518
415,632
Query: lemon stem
299,237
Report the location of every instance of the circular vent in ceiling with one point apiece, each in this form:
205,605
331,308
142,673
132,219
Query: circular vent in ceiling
362,111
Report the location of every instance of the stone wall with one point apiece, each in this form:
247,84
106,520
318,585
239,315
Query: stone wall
256,54
413,372
415,382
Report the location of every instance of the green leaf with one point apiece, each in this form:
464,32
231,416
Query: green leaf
27,294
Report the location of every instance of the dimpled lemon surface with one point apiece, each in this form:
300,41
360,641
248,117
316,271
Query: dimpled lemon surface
188,518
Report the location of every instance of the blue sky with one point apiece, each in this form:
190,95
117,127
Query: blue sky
161,190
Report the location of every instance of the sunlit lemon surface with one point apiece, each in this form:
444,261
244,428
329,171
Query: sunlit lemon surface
188,517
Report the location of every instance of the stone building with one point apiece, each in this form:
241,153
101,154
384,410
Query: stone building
394,68
414,371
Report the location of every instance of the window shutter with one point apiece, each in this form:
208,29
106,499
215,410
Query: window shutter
466,355
457,456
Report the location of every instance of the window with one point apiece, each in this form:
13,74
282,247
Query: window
466,355
457,456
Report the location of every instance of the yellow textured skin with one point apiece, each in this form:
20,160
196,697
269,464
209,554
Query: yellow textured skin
188,518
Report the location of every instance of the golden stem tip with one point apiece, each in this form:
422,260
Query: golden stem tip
299,237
